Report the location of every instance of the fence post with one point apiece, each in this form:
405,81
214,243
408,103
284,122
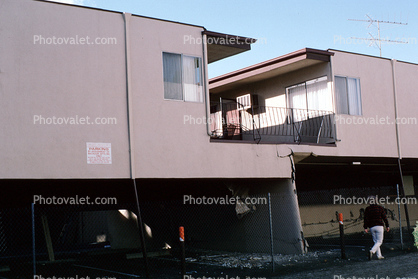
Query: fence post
33,240
342,245
271,234
183,252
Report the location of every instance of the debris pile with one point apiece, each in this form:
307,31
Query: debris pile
261,261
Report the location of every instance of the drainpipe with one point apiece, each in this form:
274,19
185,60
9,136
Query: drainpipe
395,101
127,18
334,100
398,140
206,82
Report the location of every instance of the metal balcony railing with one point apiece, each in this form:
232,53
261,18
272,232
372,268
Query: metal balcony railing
231,120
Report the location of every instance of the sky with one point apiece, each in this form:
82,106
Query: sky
286,26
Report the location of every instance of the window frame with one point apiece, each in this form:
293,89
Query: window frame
201,77
337,96
305,85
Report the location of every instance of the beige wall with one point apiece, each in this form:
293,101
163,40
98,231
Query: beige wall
407,100
90,80
168,143
61,81
316,219
358,136
169,138
377,101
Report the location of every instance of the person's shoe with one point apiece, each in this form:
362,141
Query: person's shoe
380,258
370,255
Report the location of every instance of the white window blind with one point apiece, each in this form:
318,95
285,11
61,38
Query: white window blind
172,76
311,98
348,95
182,77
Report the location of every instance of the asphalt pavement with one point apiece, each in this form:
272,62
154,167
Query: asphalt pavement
394,266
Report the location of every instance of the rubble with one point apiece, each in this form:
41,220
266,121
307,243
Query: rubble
260,260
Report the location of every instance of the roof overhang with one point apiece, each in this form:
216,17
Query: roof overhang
220,45
284,64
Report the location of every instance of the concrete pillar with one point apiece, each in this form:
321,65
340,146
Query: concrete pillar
286,221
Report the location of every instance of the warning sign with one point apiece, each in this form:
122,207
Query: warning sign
99,153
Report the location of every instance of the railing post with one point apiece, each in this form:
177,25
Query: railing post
320,129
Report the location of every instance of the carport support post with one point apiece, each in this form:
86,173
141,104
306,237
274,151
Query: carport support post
399,214
341,222
271,234
33,240
141,232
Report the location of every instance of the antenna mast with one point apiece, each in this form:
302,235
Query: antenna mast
378,41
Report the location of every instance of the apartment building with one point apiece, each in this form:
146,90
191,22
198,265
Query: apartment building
99,103
95,101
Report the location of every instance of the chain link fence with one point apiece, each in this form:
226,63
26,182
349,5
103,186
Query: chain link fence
319,210
239,239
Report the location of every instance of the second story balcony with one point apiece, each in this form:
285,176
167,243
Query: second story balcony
232,121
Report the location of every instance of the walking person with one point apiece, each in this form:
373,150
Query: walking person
374,219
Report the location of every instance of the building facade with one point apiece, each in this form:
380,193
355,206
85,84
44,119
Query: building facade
91,105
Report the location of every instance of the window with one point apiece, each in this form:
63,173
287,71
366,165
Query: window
309,99
347,91
182,77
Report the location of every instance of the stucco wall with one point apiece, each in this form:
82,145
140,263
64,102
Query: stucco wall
62,81
373,134
68,81
407,100
364,139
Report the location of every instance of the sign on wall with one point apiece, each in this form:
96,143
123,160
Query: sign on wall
99,153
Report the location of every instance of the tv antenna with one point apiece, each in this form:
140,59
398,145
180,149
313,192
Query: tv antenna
378,41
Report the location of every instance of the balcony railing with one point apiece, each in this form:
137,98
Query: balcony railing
232,121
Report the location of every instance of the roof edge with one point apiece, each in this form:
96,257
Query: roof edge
372,56
120,12
304,51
